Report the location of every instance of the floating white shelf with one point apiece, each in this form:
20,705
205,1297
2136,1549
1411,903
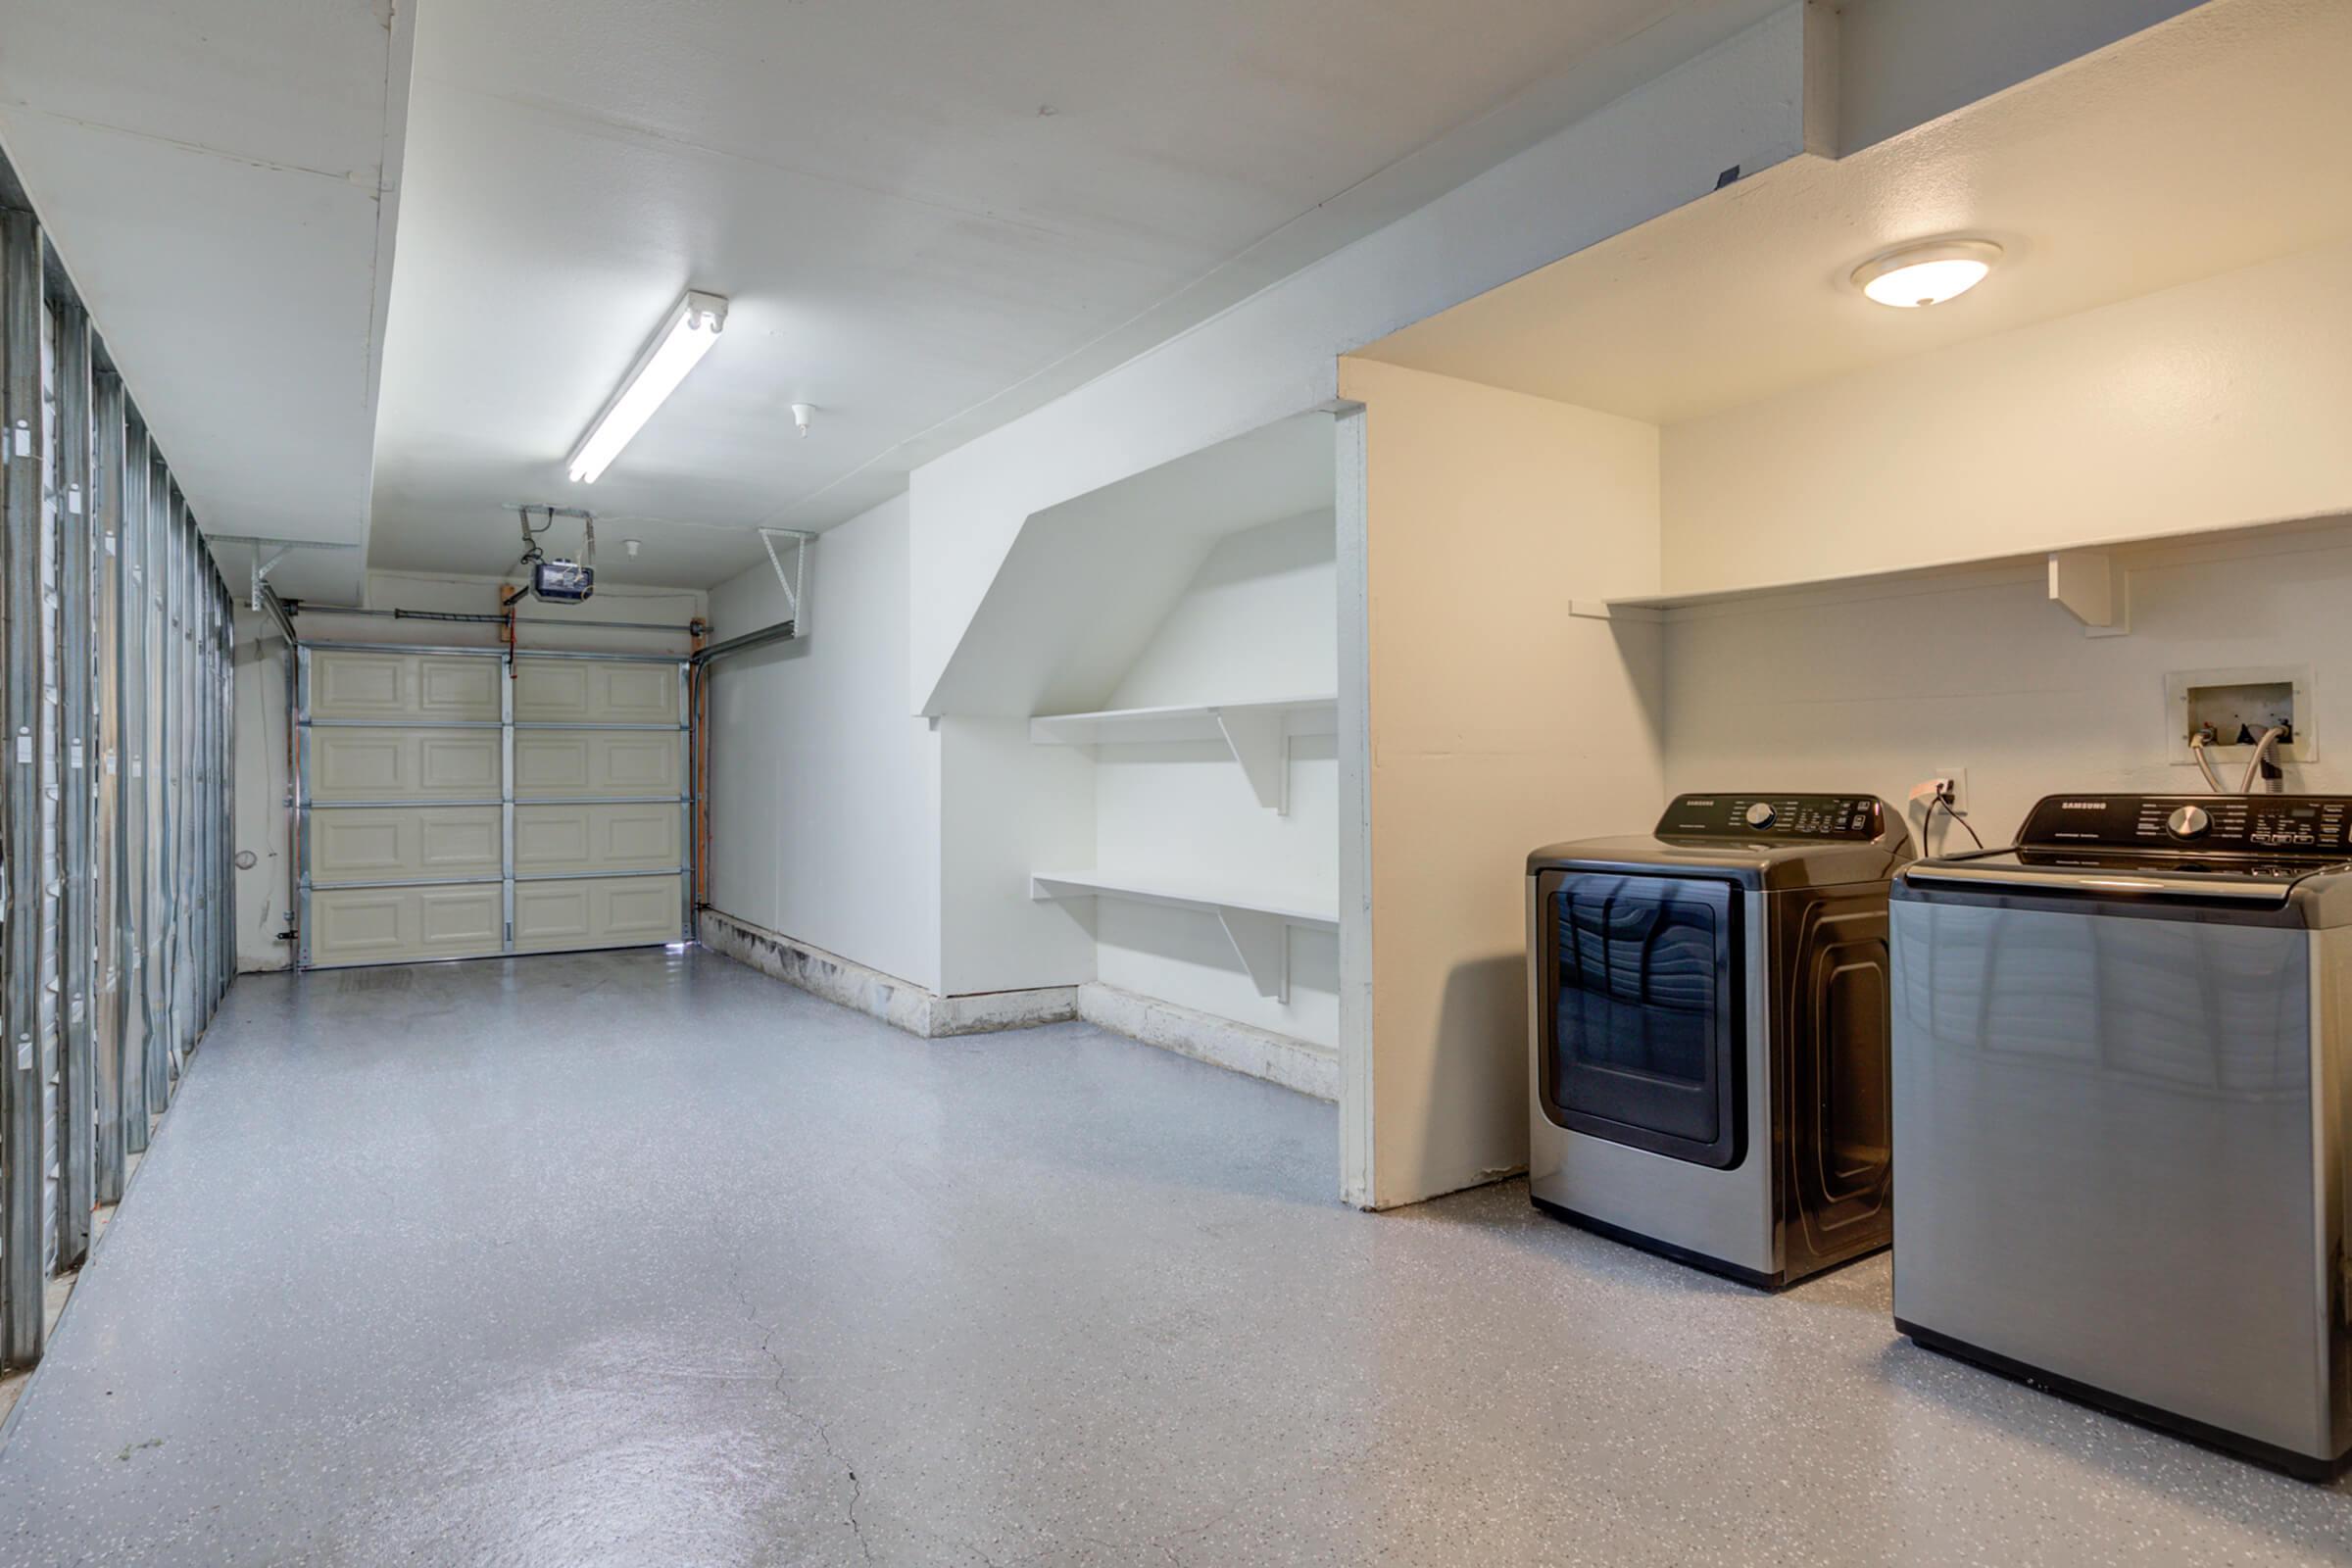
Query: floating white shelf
1254,919
2091,581
1257,734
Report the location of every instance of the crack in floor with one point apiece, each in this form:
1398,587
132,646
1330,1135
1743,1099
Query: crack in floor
824,1434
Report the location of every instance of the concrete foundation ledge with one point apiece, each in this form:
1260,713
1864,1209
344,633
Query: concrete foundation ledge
1299,1064
898,1002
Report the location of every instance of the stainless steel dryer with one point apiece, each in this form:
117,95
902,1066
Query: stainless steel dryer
1707,1012
2120,1112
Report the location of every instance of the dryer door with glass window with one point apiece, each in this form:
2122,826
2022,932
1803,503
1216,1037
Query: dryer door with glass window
1643,1012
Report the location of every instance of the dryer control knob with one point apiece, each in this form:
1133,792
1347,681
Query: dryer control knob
2188,822
1761,815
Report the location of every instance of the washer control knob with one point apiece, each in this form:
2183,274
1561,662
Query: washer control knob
1761,815
2188,822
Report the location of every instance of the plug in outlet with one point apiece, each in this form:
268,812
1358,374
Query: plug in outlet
1956,789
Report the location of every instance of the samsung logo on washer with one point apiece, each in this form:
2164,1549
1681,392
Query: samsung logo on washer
2082,805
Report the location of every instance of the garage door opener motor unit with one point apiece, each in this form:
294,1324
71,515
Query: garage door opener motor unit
558,581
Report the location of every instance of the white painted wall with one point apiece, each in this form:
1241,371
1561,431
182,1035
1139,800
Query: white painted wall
1498,724
263,826
1877,687
1259,622
1007,808
1901,63
1741,103
825,792
2220,402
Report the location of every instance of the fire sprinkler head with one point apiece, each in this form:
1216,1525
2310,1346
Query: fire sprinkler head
799,417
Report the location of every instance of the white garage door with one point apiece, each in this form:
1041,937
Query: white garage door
452,805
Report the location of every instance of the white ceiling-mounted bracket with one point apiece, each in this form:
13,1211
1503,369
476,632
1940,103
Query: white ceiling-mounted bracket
2095,588
278,549
797,579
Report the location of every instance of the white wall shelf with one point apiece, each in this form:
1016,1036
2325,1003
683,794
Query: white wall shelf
1255,920
2091,581
1257,734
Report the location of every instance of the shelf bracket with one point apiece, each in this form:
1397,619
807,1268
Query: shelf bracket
1262,943
1260,741
1602,609
2095,589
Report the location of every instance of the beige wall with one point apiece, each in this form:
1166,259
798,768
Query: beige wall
2220,402
1497,723
1876,687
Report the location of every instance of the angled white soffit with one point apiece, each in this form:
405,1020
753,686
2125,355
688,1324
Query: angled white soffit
220,180
1089,581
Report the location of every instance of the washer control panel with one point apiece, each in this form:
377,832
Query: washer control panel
1861,817
2316,825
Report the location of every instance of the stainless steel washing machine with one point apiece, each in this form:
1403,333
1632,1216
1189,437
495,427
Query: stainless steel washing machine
2120,1112
1708,1009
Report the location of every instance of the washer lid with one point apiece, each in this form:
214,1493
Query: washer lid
2238,879
2240,851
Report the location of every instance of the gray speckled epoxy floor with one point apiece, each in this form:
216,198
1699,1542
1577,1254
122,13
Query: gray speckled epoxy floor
647,1259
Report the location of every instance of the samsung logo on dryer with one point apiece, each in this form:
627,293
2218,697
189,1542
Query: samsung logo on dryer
2082,805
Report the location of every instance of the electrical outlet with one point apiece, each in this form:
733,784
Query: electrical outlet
1959,778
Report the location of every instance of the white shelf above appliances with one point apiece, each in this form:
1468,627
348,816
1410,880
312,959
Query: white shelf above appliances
1257,921
1257,734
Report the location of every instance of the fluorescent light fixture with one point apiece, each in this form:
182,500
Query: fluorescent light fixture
1928,273
687,332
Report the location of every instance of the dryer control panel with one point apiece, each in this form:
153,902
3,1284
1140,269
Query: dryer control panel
1856,817
2270,824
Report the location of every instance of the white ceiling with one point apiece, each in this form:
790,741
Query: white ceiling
2208,144
212,177
928,217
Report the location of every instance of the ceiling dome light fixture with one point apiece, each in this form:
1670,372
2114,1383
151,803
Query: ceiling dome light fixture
1928,273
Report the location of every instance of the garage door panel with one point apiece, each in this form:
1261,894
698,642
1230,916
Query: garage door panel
583,692
359,686
408,853
551,838
460,841
619,837
468,919
458,688
360,764
551,689
458,763
396,764
370,844
579,912
435,687
596,762
397,925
